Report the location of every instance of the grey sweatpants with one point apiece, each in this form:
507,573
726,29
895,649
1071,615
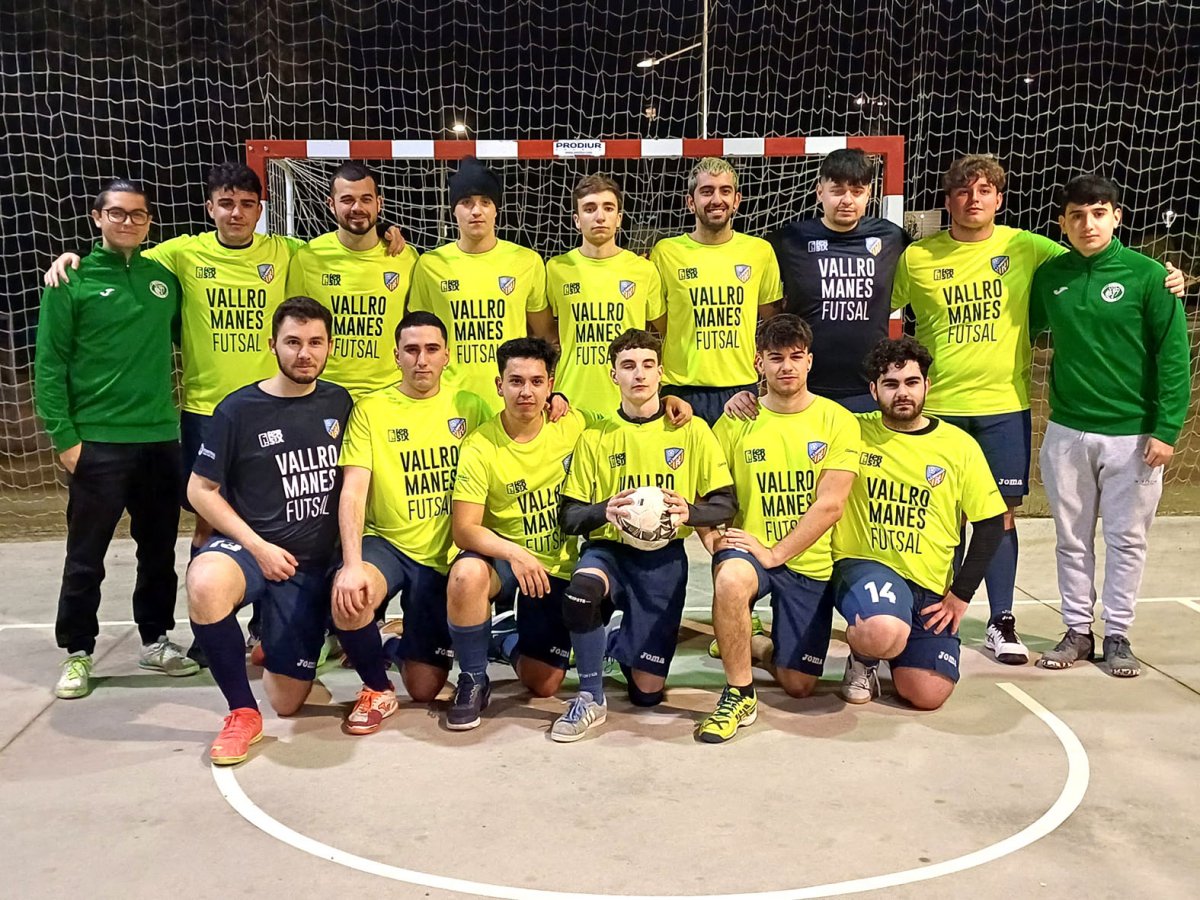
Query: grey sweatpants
1089,475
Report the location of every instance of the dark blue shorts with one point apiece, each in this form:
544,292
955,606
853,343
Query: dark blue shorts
292,614
857,403
1004,440
422,590
541,634
192,429
708,403
863,588
802,610
649,587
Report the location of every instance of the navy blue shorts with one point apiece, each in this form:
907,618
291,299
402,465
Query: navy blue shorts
863,588
802,610
292,614
541,634
422,590
1004,440
192,429
857,403
708,403
649,587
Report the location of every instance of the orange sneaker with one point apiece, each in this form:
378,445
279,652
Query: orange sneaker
243,727
371,708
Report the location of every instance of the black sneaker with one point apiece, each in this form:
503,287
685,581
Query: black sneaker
1118,655
470,699
1002,639
197,654
1074,646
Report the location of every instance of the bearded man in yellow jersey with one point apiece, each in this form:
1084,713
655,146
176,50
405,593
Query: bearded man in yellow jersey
486,290
793,466
893,548
399,458
968,289
718,284
350,272
597,292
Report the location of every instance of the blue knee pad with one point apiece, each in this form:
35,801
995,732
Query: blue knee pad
582,603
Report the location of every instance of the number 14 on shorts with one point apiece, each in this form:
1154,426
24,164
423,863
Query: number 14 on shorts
877,593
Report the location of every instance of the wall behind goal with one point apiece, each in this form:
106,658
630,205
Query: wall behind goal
162,90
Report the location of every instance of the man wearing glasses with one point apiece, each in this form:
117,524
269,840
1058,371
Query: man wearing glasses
105,393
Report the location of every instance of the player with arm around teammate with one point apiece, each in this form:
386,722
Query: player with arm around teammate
793,467
637,448
895,543
266,477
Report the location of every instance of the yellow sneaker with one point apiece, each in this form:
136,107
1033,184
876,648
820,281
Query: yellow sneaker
734,710
756,628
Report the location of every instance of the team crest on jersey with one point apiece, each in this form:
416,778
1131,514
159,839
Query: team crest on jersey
874,245
817,450
457,426
159,289
266,271
742,272
507,284
567,462
333,427
1112,292
999,264
674,457
628,289
391,280
935,475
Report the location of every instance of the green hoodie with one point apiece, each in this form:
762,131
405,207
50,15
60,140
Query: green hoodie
104,369
1121,355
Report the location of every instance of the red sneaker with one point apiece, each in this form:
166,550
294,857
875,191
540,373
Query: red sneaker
242,728
371,708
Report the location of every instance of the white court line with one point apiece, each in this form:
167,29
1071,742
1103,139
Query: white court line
1191,604
1078,773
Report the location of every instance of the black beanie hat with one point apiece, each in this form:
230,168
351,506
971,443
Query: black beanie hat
473,177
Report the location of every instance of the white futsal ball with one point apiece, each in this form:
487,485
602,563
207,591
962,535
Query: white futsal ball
646,524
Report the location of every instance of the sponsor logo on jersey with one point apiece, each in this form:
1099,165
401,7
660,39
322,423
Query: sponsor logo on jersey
270,438
689,273
204,451
935,475
674,457
450,285
330,280
999,264
578,148
396,435
1112,292
874,245
756,455
391,280
516,487
457,426
943,274
106,292
628,288
817,450
567,462
818,246
507,284
870,459
616,459
160,290
266,271
206,271
571,289
1060,290
742,272
333,427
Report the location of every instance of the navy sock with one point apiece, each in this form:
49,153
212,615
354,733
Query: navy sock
471,647
225,648
1001,574
365,649
589,660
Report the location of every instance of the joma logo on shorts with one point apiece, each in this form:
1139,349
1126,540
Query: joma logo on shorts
947,658
650,657
815,660
306,663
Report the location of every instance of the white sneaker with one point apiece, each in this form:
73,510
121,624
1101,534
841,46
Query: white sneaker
168,658
1002,639
582,713
75,678
860,684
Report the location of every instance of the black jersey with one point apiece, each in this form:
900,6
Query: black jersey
840,282
276,459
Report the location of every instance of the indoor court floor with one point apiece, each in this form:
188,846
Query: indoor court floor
1027,784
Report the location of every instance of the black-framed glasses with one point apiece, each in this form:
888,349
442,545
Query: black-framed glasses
118,215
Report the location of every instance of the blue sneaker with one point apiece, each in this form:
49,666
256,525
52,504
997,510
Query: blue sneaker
470,699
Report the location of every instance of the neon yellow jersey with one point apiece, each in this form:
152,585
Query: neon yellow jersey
411,447
971,303
483,299
595,300
229,296
776,461
365,290
616,454
907,503
520,485
713,294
